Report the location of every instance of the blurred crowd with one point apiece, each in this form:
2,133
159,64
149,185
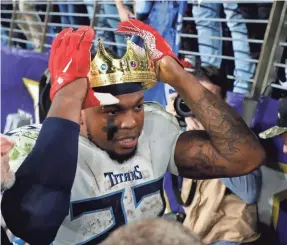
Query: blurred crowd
207,46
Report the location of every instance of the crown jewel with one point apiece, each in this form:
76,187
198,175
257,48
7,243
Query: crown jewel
135,66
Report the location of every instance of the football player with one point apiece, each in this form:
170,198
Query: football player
125,148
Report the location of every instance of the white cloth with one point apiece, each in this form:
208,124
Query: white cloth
107,194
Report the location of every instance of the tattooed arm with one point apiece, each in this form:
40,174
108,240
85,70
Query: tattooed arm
227,148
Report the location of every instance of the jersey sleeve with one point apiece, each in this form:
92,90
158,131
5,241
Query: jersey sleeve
166,131
172,168
46,159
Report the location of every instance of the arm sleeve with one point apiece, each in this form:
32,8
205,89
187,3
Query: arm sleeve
35,207
246,187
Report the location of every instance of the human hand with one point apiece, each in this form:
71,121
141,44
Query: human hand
193,124
158,47
170,104
70,60
125,13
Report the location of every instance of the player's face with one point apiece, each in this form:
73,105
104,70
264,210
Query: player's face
284,137
127,117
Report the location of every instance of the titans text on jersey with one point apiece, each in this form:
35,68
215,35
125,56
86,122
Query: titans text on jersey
106,194
124,177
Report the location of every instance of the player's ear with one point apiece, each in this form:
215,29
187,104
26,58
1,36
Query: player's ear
83,125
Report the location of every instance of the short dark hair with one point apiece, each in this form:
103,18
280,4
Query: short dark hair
215,76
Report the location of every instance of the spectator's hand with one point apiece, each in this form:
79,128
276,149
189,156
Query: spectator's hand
125,13
170,104
193,124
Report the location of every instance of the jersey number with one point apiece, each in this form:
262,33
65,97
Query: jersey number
114,203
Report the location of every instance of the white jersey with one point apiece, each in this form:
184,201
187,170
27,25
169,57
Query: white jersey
106,194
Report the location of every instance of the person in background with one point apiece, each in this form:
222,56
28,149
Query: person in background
7,179
166,17
31,24
206,29
281,128
90,8
113,41
125,12
223,211
153,232
68,9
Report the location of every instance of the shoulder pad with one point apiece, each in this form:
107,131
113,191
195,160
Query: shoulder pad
156,108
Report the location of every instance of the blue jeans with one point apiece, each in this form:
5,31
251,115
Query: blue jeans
205,28
166,18
68,8
110,22
90,7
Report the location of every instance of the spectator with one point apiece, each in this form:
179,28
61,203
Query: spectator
224,210
112,21
166,17
53,19
90,7
281,127
5,24
68,9
30,24
152,232
244,70
256,11
124,11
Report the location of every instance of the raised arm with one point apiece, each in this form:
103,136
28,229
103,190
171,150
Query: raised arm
124,12
227,148
35,207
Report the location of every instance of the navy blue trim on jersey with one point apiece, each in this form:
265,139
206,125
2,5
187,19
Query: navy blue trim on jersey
147,189
114,202
106,202
35,207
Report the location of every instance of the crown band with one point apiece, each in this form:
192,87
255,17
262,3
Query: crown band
119,78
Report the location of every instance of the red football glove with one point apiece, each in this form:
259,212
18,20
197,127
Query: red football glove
6,145
70,59
156,44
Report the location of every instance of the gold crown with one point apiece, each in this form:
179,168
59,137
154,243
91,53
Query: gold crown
135,66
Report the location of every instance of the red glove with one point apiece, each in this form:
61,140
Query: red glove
6,145
70,59
156,44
